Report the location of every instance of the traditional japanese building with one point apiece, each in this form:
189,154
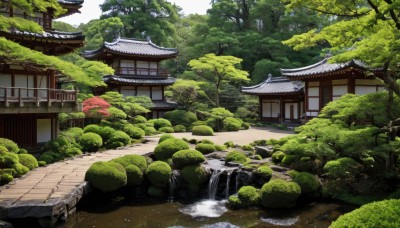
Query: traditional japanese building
29,100
281,100
137,70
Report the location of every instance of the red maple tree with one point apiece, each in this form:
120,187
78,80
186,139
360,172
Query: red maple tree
96,107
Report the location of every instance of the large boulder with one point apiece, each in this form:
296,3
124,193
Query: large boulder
280,194
183,158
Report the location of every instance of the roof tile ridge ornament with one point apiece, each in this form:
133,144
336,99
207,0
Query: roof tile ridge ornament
323,61
258,85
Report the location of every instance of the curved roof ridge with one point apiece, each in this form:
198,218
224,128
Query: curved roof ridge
325,60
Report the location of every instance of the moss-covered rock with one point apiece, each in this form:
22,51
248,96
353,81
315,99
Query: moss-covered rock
195,176
202,130
278,156
288,159
9,144
132,159
134,175
279,194
159,173
205,148
90,142
249,196
165,137
183,158
221,147
206,141
309,183
167,148
106,176
377,214
236,156
263,173
28,160
234,202
156,191
342,167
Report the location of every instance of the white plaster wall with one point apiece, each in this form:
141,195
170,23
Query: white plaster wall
295,110
157,93
5,81
365,89
381,88
313,103
41,81
153,66
340,82
313,91
143,91
128,66
266,107
275,109
367,82
43,130
339,90
128,90
24,81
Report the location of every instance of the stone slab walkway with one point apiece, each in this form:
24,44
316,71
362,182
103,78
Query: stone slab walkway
53,191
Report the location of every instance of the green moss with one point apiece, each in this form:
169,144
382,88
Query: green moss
20,169
257,157
183,158
289,159
278,156
236,156
231,124
150,131
139,119
28,160
247,147
206,141
3,150
8,160
308,182
160,122
10,145
229,144
249,196
195,175
179,128
134,132
166,130
132,159
205,148
234,202
279,194
264,172
202,130
118,139
159,173
134,175
5,178
167,148
155,191
220,148
165,137
377,214
193,141
106,176
342,167
90,142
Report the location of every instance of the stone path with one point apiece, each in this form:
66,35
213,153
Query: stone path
53,191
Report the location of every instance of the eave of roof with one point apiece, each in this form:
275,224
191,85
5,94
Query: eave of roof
54,35
137,81
275,86
166,105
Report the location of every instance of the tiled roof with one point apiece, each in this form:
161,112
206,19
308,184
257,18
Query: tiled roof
134,47
164,105
274,85
51,34
322,67
138,81
71,2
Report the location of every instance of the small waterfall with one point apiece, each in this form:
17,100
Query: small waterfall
228,180
237,181
213,184
172,186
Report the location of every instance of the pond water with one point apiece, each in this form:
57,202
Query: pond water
115,212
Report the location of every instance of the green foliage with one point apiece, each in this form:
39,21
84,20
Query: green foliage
133,131
75,132
132,159
377,214
185,93
118,139
28,160
106,176
220,148
278,156
134,175
150,131
206,141
90,142
94,128
236,156
249,196
116,114
342,168
205,148
229,144
247,147
7,160
279,193
159,173
20,169
165,137
179,128
139,119
5,178
264,172
232,124
195,176
160,122
309,183
234,202
10,145
167,148
166,130
181,117
202,130
289,159
183,158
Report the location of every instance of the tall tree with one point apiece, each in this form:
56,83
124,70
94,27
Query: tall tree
97,31
217,70
141,18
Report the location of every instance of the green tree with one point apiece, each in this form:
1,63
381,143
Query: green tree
218,70
184,92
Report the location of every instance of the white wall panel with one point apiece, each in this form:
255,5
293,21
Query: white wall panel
365,89
313,91
5,81
313,103
295,110
128,90
143,91
41,81
339,90
43,130
157,93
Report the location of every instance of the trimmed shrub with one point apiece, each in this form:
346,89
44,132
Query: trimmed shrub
90,142
141,126
28,160
75,132
132,159
234,202
193,141
41,163
159,173
220,147
384,213
118,139
165,137
134,132
93,128
264,173
166,130
155,191
22,151
5,178
179,128
181,117
308,182
10,145
202,130
247,147
106,176
205,148
8,159
229,144
20,169
106,133
206,141
195,176
8,171
150,131
341,168
183,158
249,196
134,175
3,150
139,119
288,159
160,122
277,157
71,152
279,194
236,156
231,124
167,148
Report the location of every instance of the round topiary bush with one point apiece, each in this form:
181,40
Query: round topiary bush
5,178
20,169
249,196
150,131
384,213
28,160
106,133
167,148
134,132
181,117
132,159
160,122
118,139
93,128
264,173
341,168
206,141
183,158
195,176
10,145
155,191
140,125
166,130
7,160
71,152
159,173
90,142
106,176
277,157
308,182
231,124
165,137
75,132
202,130
279,194
139,119
205,148
220,147
179,128
134,175
236,156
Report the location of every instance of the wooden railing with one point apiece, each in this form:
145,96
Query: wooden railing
45,23
25,95
142,71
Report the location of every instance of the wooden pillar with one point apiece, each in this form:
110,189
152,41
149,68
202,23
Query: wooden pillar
306,100
282,110
261,107
351,85
151,92
162,92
